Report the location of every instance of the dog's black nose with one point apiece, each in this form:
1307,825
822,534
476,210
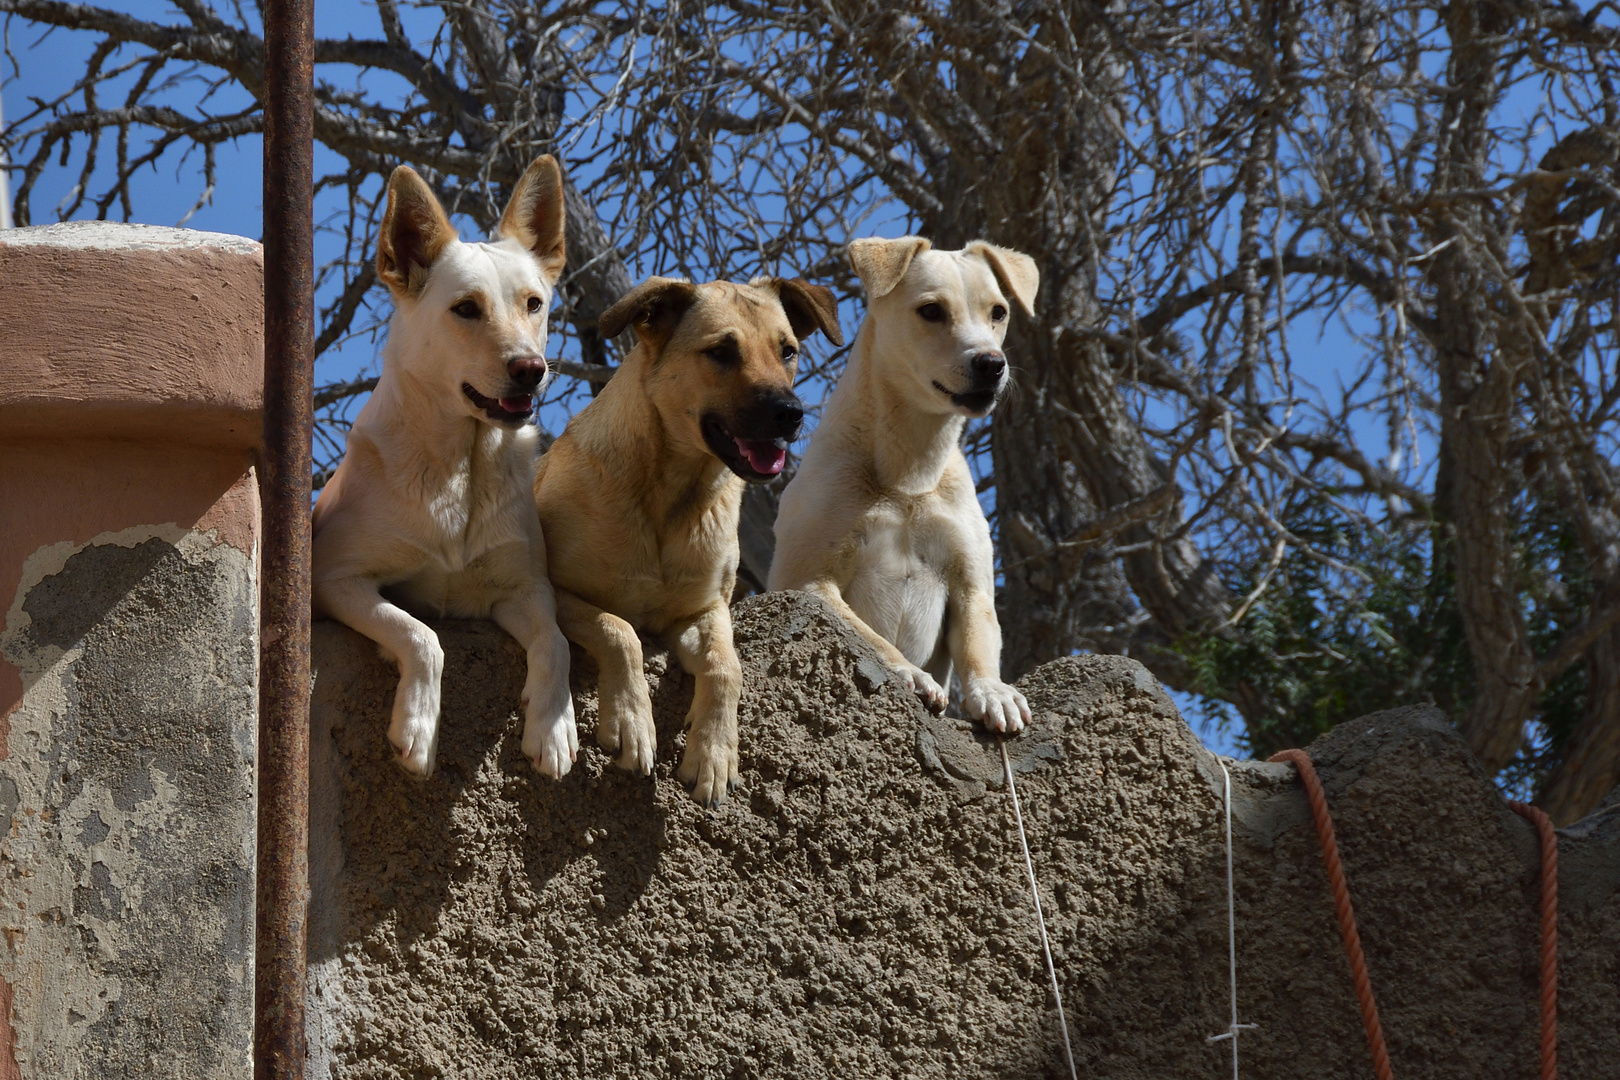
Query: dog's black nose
987,368
774,414
526,371
788,413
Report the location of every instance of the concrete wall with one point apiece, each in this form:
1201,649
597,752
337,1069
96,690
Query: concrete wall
130,362
859,908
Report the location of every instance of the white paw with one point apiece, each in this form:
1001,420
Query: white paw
624,727
996,705
550,736
709,766
923,685
551,743
414,727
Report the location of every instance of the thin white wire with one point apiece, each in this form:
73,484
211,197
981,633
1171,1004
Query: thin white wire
1040,919
1231,933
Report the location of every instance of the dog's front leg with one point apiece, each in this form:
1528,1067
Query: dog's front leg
974,639
410,643
917,680
550,738
703,646
624,719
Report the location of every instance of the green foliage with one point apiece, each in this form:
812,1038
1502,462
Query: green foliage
1370,622
1321,645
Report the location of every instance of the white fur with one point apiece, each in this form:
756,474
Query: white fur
881,519
430,509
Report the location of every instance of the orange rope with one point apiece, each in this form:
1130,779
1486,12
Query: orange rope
1352,938
1549,936
1341,906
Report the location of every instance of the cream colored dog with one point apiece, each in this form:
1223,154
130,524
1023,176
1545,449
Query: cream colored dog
882,521
430,509
639,499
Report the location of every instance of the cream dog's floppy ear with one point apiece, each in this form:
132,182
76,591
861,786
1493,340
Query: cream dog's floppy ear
882,263
654,308
534,215
1015,272
414,231
809,308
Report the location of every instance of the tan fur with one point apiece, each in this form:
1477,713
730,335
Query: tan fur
881,520
640,515
881,263
430,509
1015,272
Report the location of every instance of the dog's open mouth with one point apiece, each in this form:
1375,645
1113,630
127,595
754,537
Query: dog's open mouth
755,460
977,402
506,410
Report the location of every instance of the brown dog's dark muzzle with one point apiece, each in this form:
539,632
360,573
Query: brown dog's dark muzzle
753,441
775,415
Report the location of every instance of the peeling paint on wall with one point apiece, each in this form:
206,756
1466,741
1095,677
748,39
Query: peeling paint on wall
126,874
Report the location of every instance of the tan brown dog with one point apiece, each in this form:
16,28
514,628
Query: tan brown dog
640,495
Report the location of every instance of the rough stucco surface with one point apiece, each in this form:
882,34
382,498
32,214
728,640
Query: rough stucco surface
126,878
859,907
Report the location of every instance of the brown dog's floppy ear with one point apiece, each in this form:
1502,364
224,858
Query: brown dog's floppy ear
809,308
1015,272
534,215
414,231
654,308
882,263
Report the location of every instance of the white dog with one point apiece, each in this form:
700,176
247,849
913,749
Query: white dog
431,505
882,520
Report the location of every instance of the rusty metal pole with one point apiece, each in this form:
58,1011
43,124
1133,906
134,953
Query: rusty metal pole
284,485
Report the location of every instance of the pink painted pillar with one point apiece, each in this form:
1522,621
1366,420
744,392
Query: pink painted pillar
130,381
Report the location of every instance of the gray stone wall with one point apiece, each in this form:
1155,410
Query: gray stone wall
126,878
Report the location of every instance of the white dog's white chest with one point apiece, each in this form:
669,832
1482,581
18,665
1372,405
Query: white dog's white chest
477,553
899,585
470,591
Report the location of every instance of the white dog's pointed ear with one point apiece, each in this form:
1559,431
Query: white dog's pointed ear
534,216
1015,272
654,308
414,231
809,308
882,263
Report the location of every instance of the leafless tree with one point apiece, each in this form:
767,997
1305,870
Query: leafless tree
1197,180
1209,188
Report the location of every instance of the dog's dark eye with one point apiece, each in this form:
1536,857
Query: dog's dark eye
725,353
998,313
931,313
788,352
534,304
467,309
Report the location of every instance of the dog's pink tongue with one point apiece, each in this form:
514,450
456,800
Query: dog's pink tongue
763,457
516,404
